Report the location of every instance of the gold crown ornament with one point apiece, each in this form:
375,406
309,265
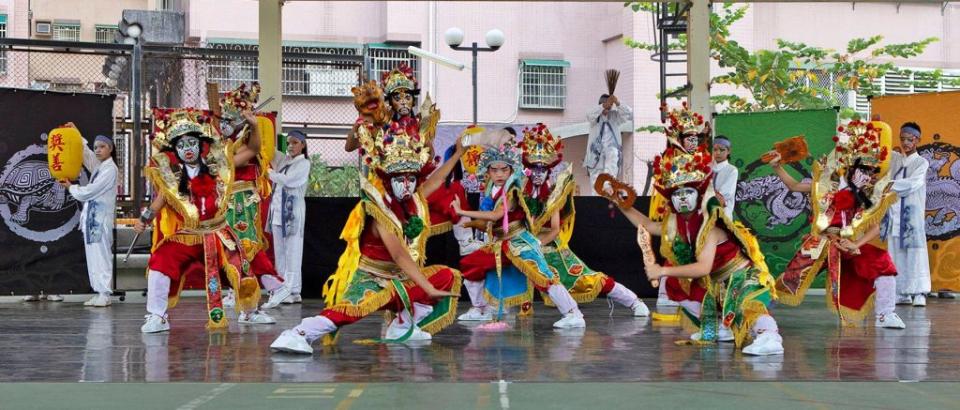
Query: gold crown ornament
676,168
400,78
168,124
540,147
396,150
681,122
868,142
233,102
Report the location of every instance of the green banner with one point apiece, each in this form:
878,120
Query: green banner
777,216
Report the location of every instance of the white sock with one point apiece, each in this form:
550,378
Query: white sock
158,290
886,295
561,297
475,291
420,311
623,296
314,327
662,290
270,282
691,306
764,324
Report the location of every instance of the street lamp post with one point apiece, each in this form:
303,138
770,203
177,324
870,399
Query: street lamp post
494,39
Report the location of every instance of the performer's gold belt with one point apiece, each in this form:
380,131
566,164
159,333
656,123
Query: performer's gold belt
240,186
513,228
381,269
206,227
738,262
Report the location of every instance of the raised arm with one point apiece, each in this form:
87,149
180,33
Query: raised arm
406,263
788,180
106,182
436,179
248,151
352,142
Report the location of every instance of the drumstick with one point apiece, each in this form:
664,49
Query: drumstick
646,248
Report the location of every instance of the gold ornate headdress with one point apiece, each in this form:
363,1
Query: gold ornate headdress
867,142
232,103
396,150
540,147
400,77
681,122
168,124
677,168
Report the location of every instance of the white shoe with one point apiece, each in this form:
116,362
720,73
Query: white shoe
291,341
101,301
54,298
292,299
640,309
904,300
229,300
725,334
277,297
256,317
765,344
92,300
476,314
666,302
920,300
155,324
395,331
890,321
31,298
571,321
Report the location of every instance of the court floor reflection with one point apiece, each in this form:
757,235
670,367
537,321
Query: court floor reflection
68,342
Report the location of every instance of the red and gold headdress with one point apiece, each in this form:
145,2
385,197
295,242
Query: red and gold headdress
867,142
677,168
232,103
168,124
681,122
394,151
400,78
540,147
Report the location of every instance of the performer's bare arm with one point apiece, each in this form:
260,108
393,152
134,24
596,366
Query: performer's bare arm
853,247
155,206
436,179
352,142
494,215
700,268
406,263
245,153
792,184
637,218
550,235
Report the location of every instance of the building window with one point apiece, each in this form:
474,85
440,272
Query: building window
301,77
906,81
3,53
543,84
66,31
106,34
382,58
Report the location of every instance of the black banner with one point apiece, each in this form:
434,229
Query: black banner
41,241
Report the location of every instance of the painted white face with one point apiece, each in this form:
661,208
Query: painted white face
860,178
539,175
690,142
188,149
403,186
685,199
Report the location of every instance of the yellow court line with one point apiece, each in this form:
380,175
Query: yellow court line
300,397
292,390
483,395
354,394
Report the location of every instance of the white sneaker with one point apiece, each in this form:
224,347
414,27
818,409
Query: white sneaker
101,301
31,298
292,299
229,299
571,321
765,344
291,341
256,317
54,298
725,334
666,302
277,297
476,314
890,321
920,300
904,300
640,309
92,300
155,324
395,331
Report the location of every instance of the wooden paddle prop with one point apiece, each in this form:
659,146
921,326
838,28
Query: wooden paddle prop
624,196
793,149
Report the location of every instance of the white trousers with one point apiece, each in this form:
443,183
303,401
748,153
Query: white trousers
886,295
561,297
623,296
608,163
100,262
288,257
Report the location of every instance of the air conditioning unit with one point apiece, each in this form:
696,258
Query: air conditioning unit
44,28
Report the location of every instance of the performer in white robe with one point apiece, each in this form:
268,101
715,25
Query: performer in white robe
724,174
903,226
99,198
288,211
604,143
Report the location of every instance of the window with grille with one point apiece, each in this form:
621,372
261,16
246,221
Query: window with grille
306,76
3,53
384,59
909,82
106,34
543,84
66,32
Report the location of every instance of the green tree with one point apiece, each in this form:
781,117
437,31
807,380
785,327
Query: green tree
327,181
794,75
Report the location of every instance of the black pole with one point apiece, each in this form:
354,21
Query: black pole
475,52
136,154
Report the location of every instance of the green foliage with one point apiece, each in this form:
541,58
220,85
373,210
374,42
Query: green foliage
326,181
795,75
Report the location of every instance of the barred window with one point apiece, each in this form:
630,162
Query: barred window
305,77
910,82
3,53
543,84
106,34
66,31
384,58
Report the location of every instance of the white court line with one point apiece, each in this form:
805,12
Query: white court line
212,394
